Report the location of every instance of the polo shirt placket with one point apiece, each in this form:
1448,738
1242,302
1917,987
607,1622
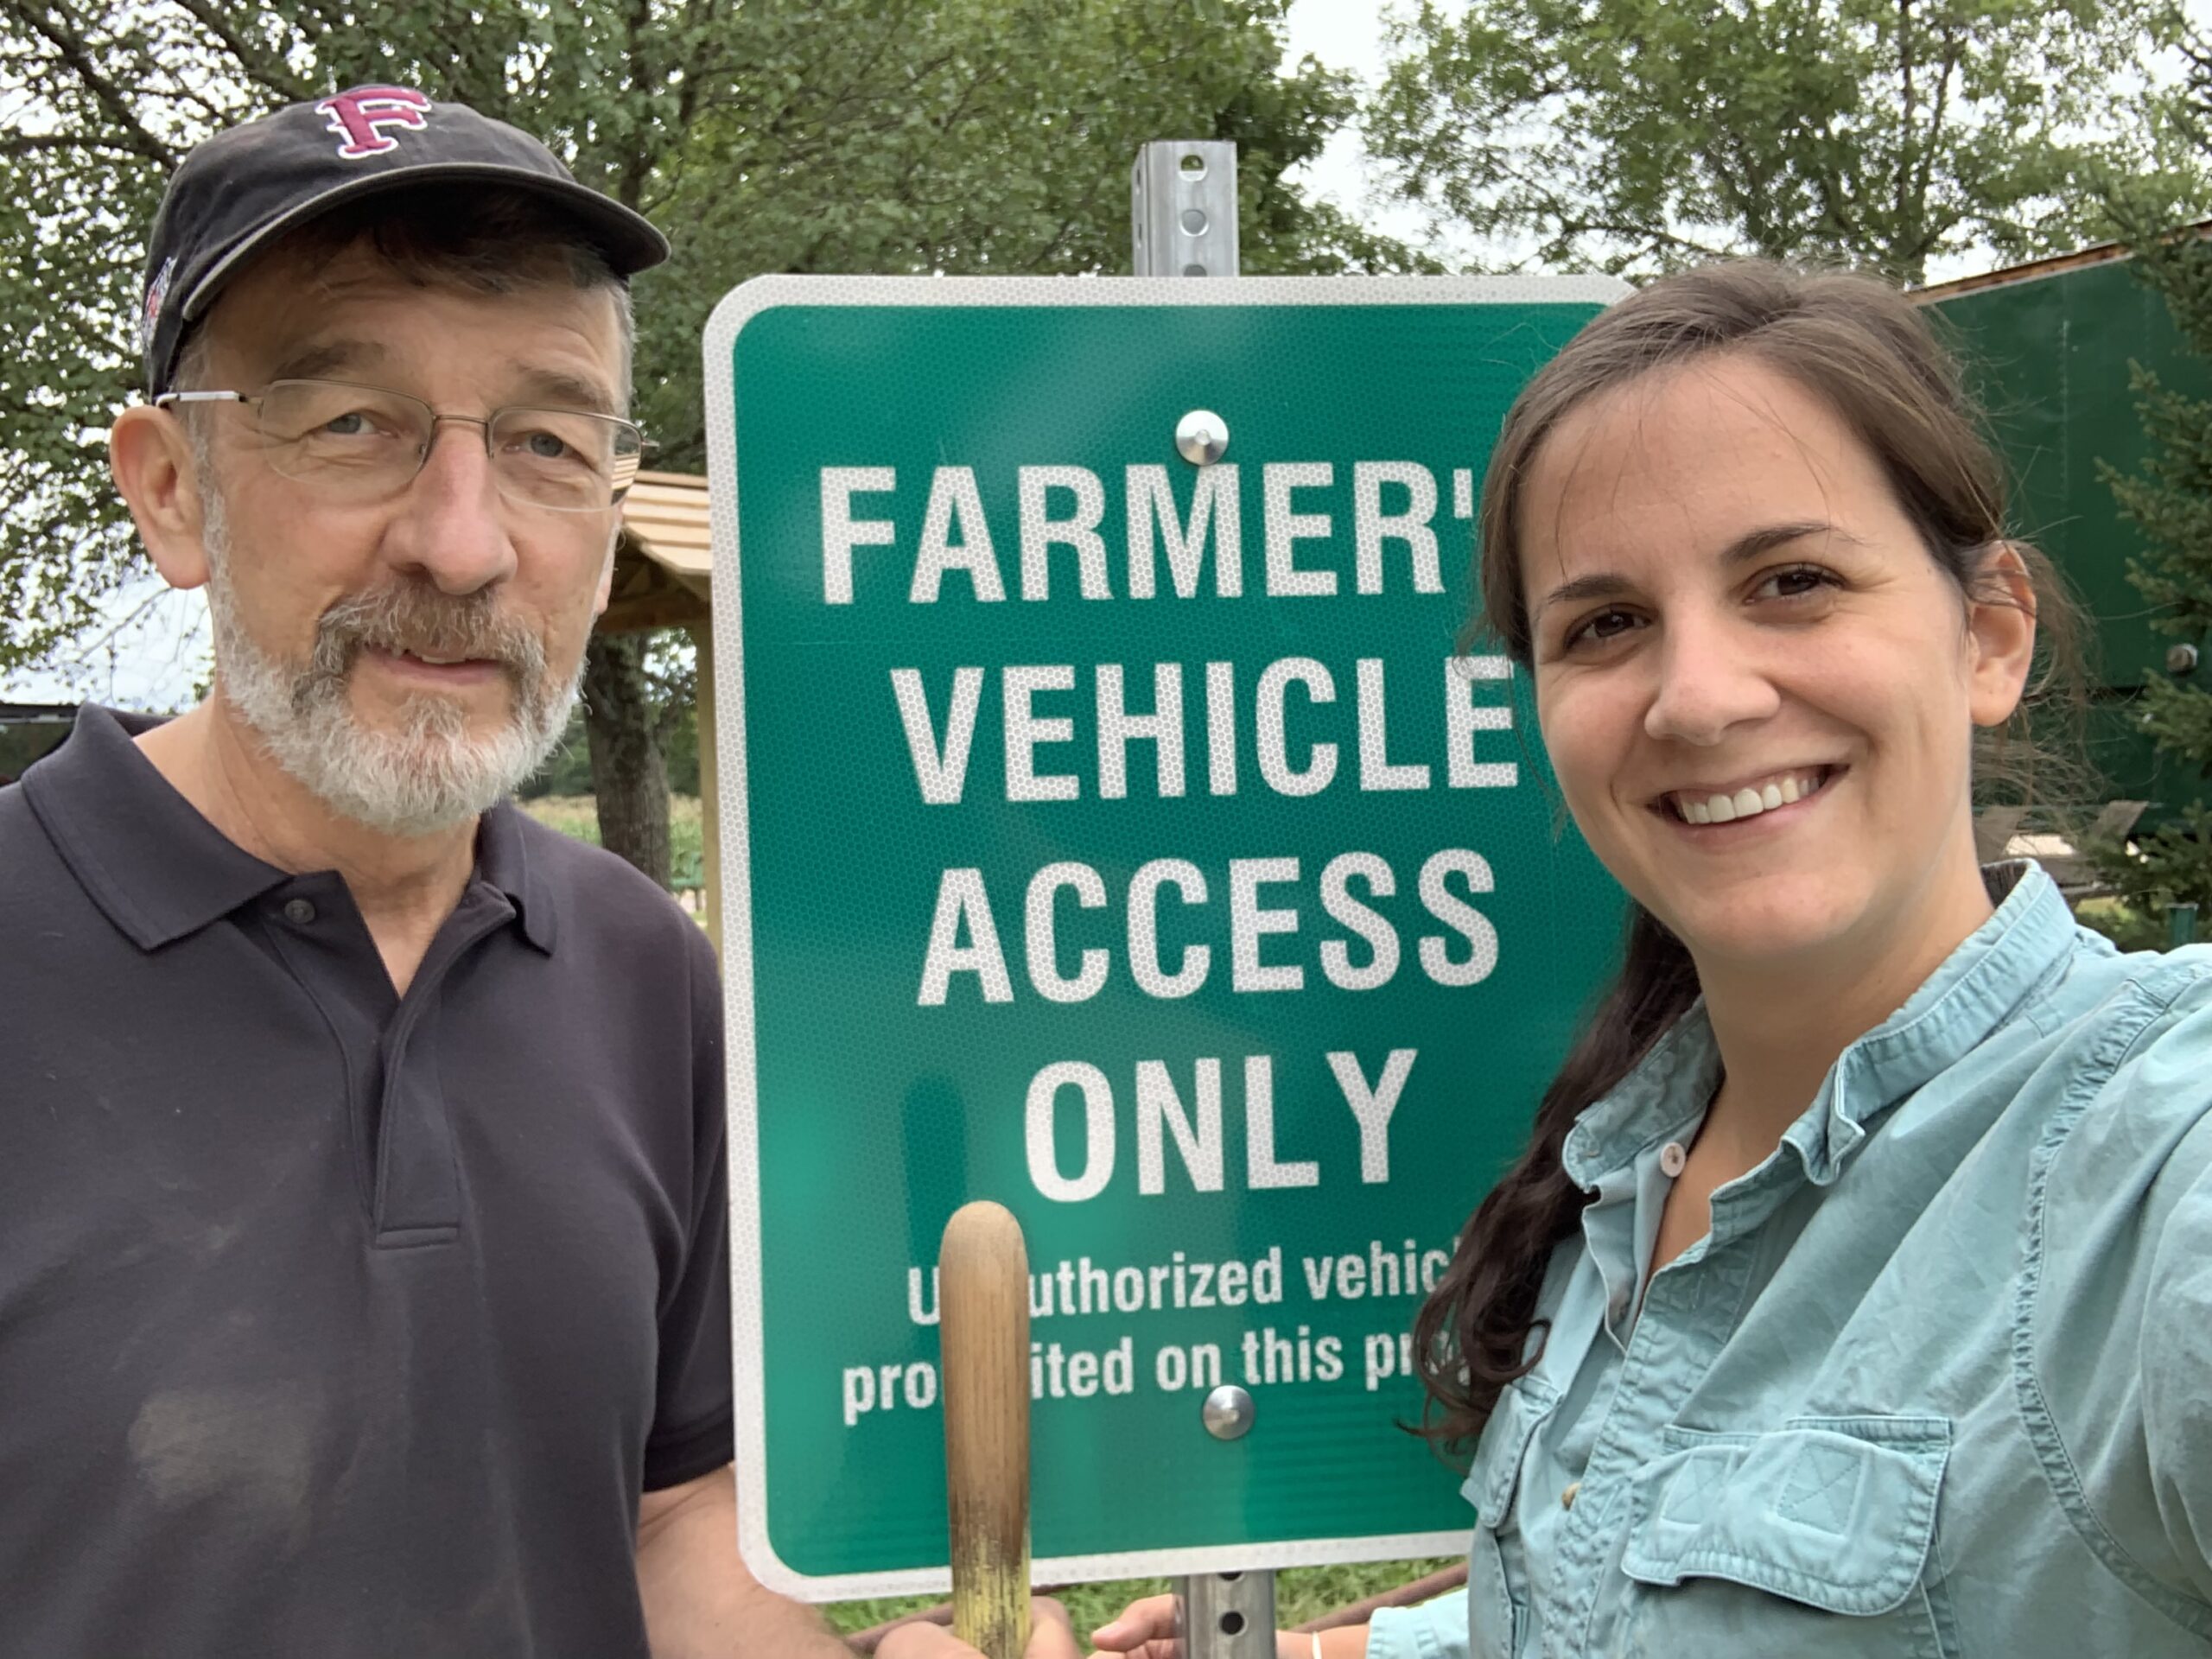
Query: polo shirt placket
395,1102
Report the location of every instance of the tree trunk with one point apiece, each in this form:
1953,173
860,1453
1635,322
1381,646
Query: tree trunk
628,777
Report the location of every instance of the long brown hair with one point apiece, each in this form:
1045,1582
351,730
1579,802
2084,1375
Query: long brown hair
1874,358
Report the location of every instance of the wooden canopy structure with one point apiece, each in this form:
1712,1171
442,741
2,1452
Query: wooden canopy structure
666,557
663,567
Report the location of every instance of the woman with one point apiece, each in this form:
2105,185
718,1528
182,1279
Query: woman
1855,1294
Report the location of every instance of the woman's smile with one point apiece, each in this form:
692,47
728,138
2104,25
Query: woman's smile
1762,795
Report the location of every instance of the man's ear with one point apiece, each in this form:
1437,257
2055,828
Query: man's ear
2000,635
149,453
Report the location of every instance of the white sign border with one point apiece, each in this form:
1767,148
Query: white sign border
737,308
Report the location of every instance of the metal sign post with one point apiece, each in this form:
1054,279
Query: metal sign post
1112,831
1182,223
1183,209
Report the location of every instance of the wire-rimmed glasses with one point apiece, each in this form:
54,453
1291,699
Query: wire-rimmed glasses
361,443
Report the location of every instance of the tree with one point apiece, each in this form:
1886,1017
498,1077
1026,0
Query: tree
956,135
1635,135
2170,500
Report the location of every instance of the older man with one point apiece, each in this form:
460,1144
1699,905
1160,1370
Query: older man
362,1268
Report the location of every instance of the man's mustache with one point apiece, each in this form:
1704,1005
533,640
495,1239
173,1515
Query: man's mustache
417,619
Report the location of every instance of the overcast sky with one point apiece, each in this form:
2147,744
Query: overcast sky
1346,35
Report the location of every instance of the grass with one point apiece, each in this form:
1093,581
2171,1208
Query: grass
1301,1593
578,815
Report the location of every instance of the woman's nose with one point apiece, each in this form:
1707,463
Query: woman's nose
1710,680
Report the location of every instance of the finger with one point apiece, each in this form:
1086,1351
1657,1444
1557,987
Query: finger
1139,1622
922,1639
1051,1634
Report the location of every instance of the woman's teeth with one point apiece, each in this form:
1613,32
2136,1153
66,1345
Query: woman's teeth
1749,802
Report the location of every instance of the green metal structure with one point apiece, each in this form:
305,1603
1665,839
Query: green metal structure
2047,348
28,730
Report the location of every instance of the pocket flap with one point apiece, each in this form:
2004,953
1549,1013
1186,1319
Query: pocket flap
1522,1407
1836,1512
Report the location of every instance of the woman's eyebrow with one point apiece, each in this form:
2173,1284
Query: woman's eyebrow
1608,584
1603,584
1765,539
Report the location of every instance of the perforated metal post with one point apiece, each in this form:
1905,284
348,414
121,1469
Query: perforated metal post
1227,1615
1183,208
1182,223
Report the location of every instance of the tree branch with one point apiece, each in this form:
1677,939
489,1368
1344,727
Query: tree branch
27,144
267,73
75,55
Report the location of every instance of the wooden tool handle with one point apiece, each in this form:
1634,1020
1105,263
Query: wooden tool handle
983,1299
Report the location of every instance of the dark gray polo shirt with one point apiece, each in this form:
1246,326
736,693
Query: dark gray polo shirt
335,1323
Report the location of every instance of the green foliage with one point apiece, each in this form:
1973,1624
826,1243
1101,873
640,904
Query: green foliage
2121,922
2170,501
1640,135
812,135
81,166
568,770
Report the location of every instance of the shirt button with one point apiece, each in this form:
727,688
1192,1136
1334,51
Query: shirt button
300,911
1672,1158
1567,1497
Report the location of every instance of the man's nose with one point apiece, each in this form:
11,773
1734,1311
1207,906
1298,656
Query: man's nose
1711,680
452,523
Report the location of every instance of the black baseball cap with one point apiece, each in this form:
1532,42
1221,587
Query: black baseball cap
240,190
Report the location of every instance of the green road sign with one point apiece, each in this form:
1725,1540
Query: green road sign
1117,836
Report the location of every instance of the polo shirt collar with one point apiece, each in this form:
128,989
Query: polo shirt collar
160,870
139,849
1978,987
503,861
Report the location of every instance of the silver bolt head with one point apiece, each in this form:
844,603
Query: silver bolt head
1228,1412
2180,659
1201,438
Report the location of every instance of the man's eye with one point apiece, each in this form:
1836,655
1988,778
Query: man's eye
354,423
545,446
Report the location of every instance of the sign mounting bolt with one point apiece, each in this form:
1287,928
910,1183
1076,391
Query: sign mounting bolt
1201,436
1228,1412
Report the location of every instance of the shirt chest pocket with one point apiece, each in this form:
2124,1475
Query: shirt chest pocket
1498,1607
1812,1539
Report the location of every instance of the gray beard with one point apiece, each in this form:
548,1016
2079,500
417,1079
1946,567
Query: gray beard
430,773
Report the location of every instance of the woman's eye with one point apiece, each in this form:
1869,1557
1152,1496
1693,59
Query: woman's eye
1606,624
1600,628
1795,582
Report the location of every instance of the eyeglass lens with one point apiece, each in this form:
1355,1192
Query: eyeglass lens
360,441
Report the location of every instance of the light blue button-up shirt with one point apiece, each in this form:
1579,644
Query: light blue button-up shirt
1939,1381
